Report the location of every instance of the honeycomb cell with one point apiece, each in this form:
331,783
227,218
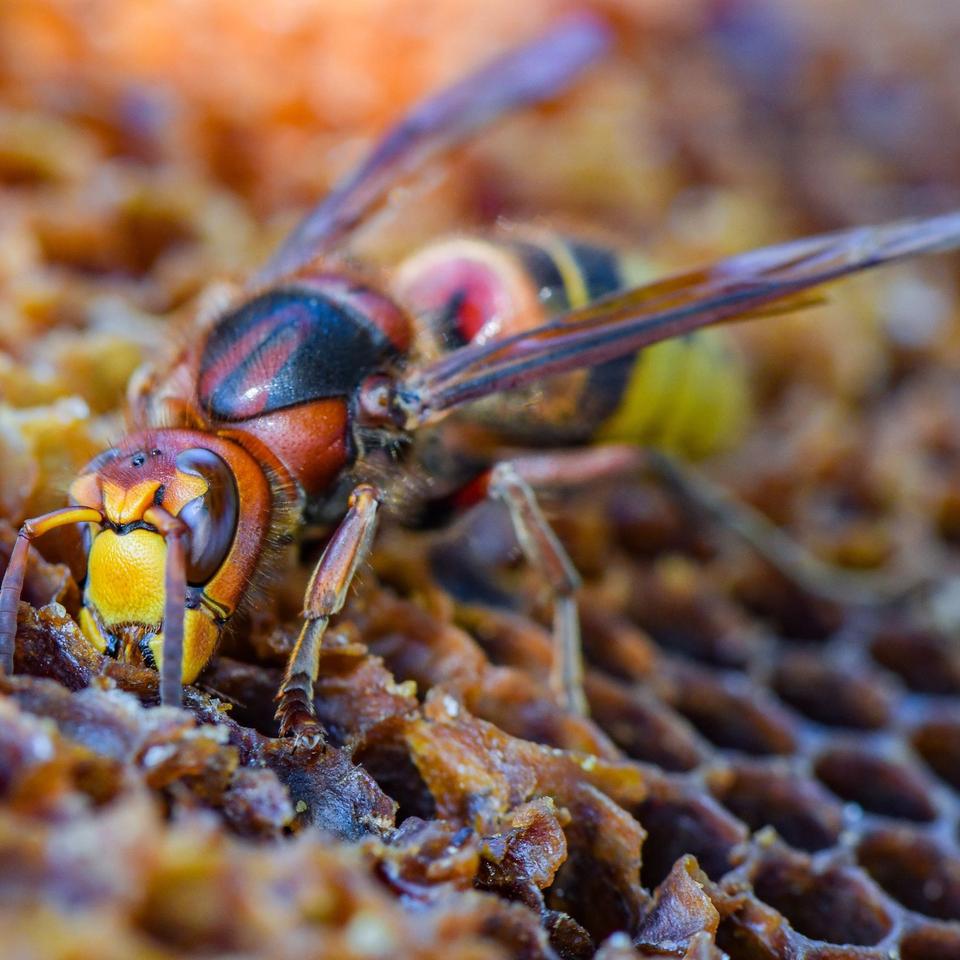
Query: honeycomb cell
925,661
877,785
137,233
671,602
912,869
642,727
938,742
732,715
837,905
390,765
931,943
786,609
830,695
799,809
613,644
678,823
39,150
648,522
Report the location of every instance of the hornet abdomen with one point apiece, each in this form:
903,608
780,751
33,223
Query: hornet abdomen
688,396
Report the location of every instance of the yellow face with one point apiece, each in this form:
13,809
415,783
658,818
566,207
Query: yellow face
123,607
124,593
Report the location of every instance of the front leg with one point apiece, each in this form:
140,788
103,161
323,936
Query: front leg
325,596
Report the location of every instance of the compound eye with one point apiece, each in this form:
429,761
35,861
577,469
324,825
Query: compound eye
101,460
212,518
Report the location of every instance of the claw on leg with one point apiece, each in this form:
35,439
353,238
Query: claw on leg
294,712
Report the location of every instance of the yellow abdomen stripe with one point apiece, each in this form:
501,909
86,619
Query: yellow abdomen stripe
687,396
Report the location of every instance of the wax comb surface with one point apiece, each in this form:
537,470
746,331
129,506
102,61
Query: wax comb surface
764,774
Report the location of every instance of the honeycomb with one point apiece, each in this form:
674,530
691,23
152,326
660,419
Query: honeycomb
765,773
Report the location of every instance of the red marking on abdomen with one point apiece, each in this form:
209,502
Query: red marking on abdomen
464,293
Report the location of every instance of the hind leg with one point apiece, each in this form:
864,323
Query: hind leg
544,552
577,468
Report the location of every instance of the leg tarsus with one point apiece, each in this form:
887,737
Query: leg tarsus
294,713
566,675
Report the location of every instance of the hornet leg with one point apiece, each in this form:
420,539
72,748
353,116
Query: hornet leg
578,468
779,549
325,596
514,482
545,553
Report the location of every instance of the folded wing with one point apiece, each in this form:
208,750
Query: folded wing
774,279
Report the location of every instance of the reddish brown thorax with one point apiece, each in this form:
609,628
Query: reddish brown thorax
279,374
